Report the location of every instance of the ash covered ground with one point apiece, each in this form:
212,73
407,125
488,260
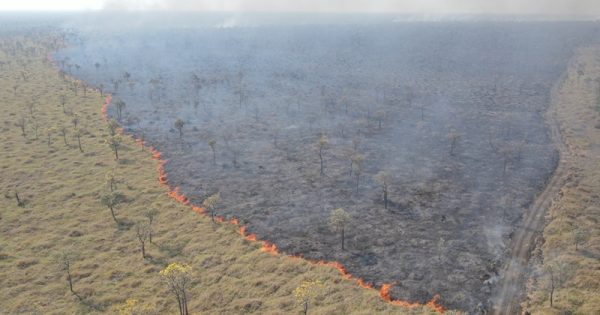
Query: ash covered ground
452,111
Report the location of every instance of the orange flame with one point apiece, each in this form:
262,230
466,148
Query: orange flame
199,210
270,248
433,304
107,101
384,292
175,194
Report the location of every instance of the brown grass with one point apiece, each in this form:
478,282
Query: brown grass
578,204
61,188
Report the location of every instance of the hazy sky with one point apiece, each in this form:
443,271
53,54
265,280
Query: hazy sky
542,7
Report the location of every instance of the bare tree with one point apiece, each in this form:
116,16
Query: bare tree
151,216
454,136
77,134
20,202
75,121
31,107
142,231
211,204
349,155
276,132
36,127
384,179
49,132
507,154
322,146
356,142
409,95
63,132
358,161
213,144
558,273
22,123
63,101
580,236
65,262
179,125
441,247
338,221
120,105
111,180
114,142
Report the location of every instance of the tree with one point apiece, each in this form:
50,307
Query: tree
178,277
384,179
65,262
63,101
358,161
454,136
441,246
409,94
20,202
307,291
36,127
151,216
120,105
112,125
211,203
507,156
179,125
356,142
322,145
114,142
111,200
49,132
142,231
22,123
558,272
338,221
380,116
580,236
349,155
78,136
213,144
63,132
111,180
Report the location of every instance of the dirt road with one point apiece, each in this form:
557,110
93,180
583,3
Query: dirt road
509,291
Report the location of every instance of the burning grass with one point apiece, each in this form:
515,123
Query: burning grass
61,187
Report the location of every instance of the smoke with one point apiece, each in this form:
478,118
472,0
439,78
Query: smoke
442,7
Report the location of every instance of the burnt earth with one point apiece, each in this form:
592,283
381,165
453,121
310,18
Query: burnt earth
401,89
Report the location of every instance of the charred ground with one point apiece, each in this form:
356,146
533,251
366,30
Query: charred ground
453,112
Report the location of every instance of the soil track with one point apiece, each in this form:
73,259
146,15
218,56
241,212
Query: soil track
508,295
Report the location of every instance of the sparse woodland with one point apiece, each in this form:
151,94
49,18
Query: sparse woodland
418,138
62,249
417,178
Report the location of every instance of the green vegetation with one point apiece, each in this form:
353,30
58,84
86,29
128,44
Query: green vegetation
59,212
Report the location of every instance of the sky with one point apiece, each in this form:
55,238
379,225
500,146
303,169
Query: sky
527,7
